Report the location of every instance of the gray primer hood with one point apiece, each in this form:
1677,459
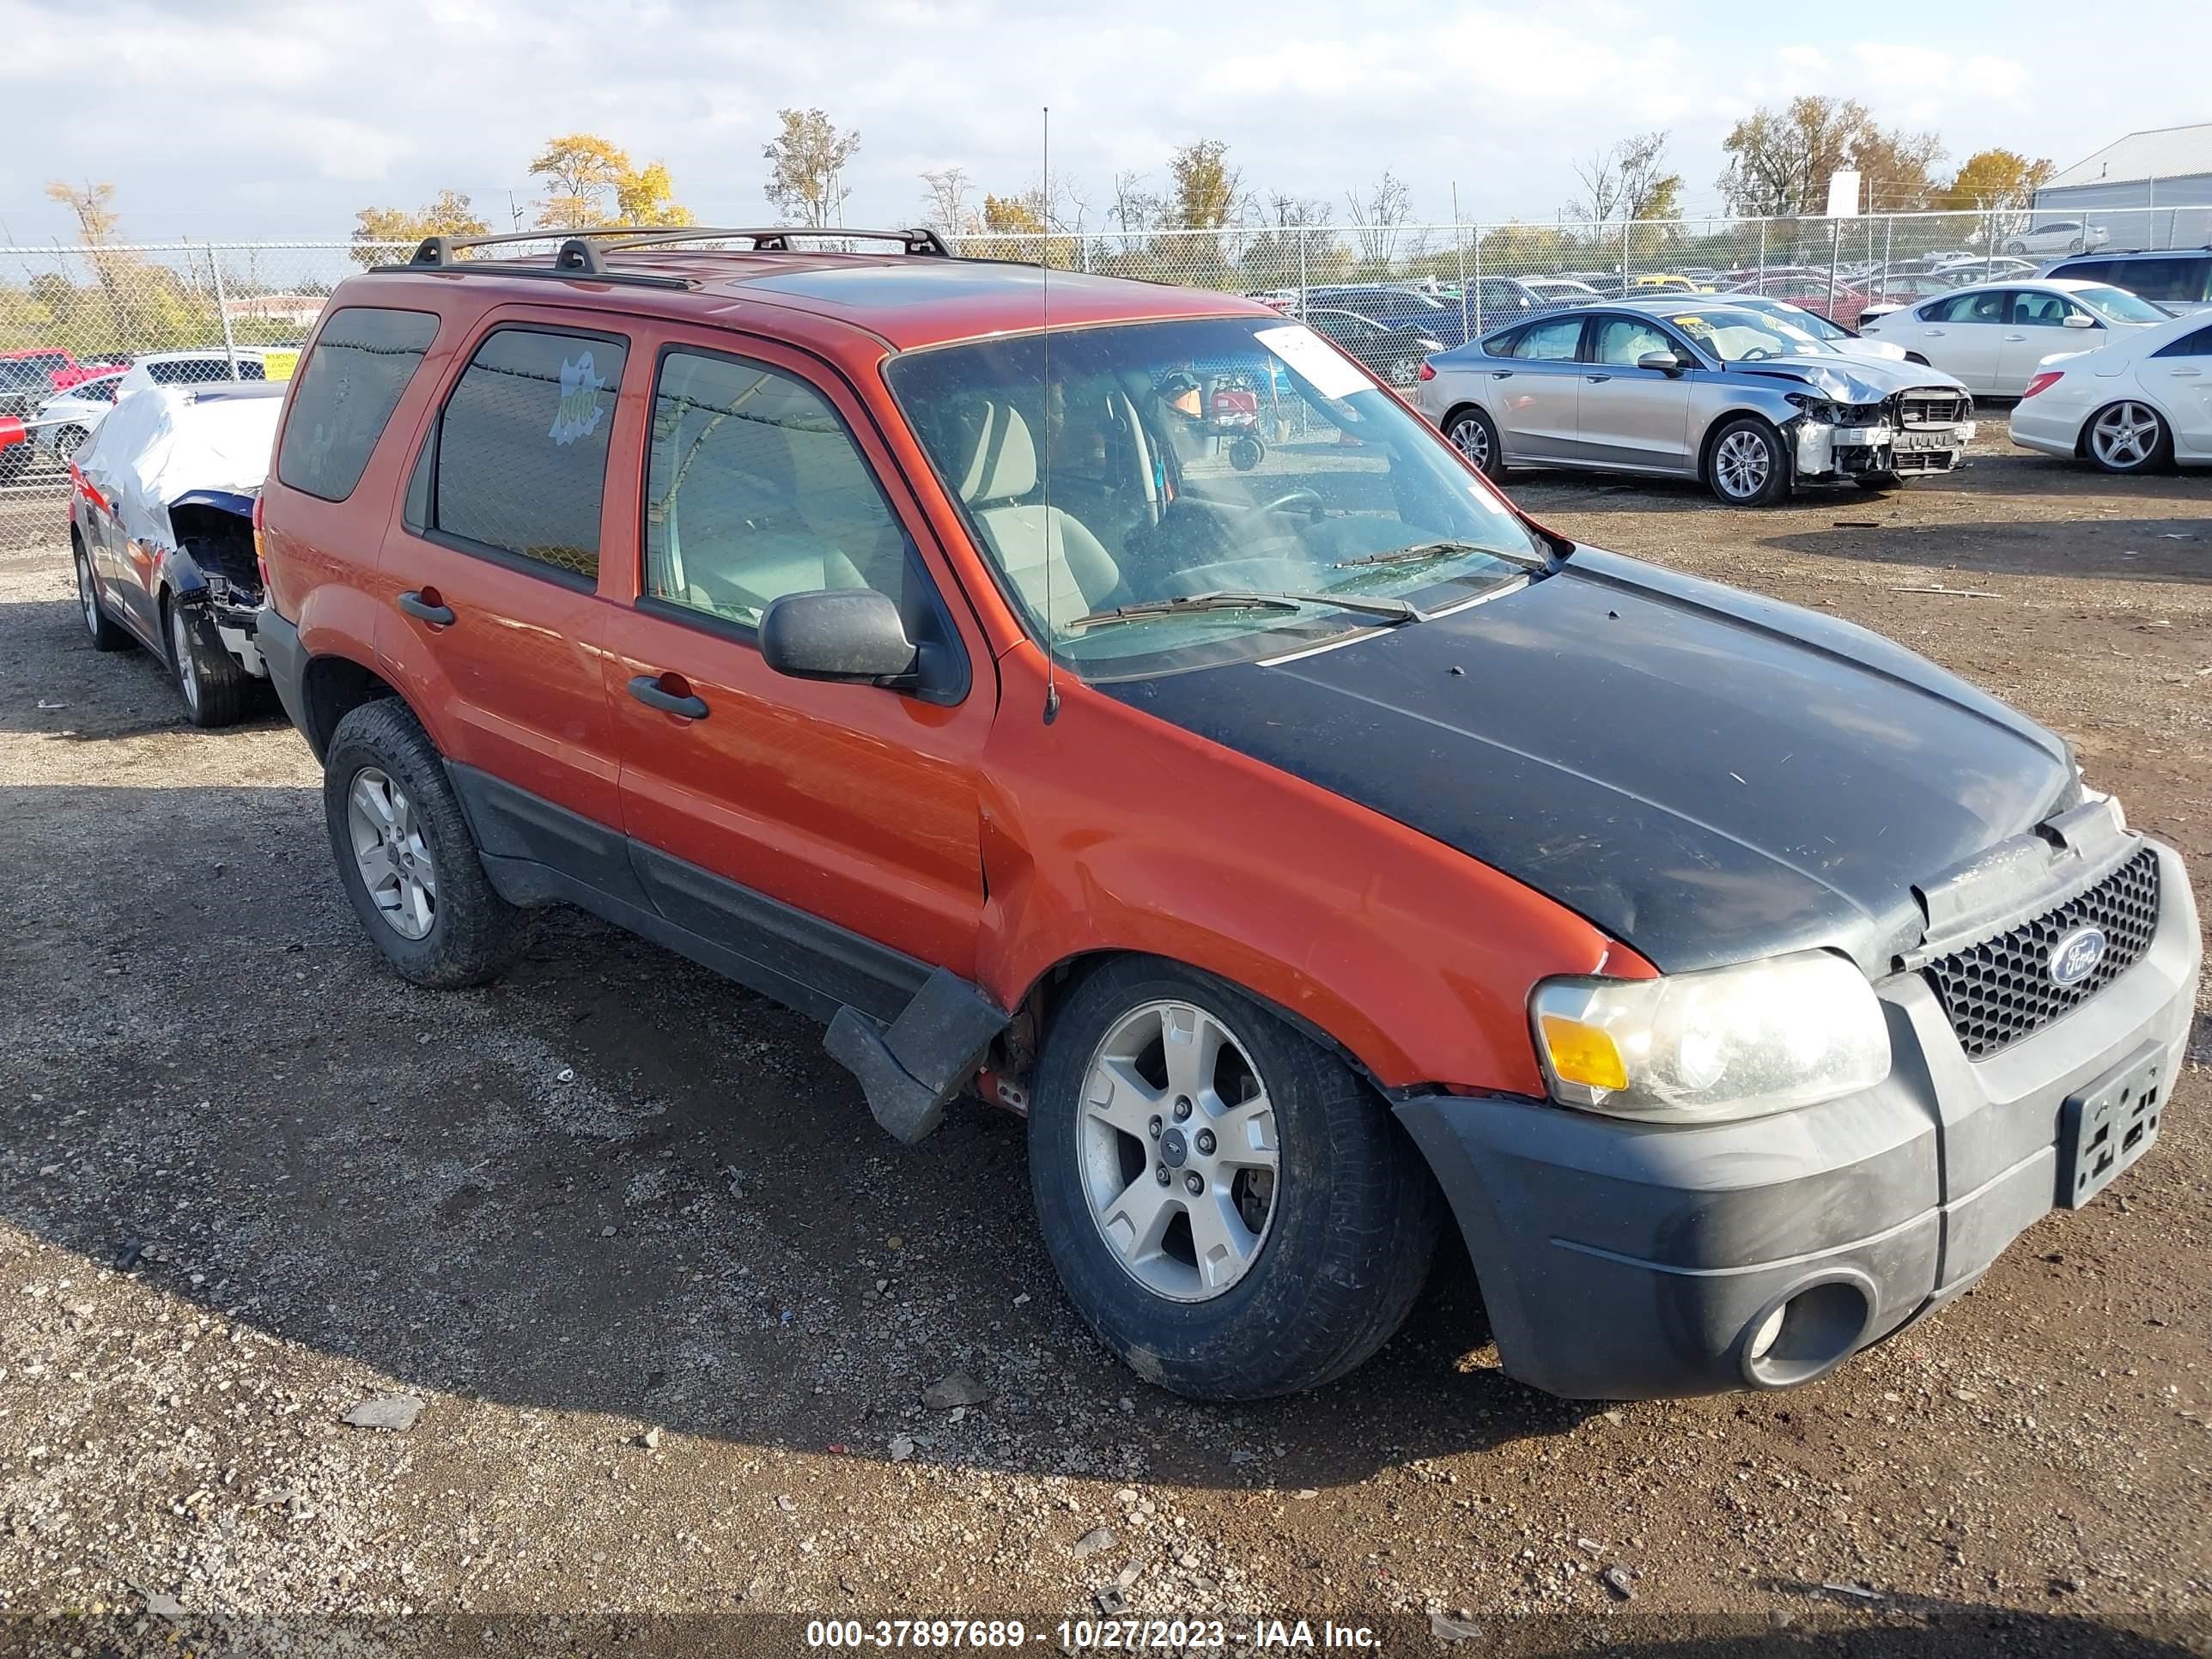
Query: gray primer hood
1707,775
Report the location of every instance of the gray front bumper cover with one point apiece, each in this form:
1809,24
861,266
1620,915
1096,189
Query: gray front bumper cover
1627,1261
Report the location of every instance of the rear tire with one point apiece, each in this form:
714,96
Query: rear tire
68,441
106,634
210,681
1312,1230
1474,434
404,829
2127,437
1747,466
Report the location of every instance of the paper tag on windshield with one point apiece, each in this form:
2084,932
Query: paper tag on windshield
1315,360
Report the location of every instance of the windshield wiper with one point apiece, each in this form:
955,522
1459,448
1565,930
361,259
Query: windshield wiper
1419,553
1398,611
1181,602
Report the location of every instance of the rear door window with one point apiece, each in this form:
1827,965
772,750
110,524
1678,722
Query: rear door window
2198,344
1988,306
361,363
1554,342
522,462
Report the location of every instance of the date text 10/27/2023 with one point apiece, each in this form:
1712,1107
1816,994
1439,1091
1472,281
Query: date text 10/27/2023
1089,1635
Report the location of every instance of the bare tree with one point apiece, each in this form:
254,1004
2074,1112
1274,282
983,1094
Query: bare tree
1628,181
1136,210
1377,216
806,166
944,202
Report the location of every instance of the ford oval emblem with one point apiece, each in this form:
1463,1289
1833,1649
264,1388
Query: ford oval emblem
2075,956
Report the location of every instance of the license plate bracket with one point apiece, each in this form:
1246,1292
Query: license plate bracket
2105,1127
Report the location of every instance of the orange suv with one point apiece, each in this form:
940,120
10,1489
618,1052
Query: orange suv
1305,840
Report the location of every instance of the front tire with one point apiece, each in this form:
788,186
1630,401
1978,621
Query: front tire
1747,467
208,677
2127,437
1474,434
405,857
1230,1209
2015,247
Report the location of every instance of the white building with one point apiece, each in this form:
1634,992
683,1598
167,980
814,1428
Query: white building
2146,190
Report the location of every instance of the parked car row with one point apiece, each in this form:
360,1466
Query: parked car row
1637,925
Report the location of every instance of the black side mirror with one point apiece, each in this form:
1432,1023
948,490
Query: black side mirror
848,634
1666,363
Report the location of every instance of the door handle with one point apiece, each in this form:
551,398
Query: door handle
649,689
1935,333
1595,378
1501,374
2184,373
425,606
2015,337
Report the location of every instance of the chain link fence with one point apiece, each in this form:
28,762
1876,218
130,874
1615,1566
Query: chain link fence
72,318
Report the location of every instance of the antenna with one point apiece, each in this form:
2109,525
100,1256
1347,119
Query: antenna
1044,285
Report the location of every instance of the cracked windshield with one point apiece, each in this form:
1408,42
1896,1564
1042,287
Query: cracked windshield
1218,489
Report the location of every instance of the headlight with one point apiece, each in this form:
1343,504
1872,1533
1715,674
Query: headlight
1702,1047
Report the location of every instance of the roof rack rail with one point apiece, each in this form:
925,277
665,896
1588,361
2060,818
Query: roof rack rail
582,254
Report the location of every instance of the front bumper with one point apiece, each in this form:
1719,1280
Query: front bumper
1824,450
1624,1260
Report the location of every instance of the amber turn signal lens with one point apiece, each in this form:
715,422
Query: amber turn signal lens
1583,1053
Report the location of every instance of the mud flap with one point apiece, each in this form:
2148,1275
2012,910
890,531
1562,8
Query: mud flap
912,1067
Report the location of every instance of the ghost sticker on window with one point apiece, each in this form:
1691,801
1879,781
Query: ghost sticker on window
577,416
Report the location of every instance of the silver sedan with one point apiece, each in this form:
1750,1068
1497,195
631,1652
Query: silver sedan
1694,388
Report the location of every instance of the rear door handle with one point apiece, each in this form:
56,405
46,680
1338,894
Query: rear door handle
685,705
1595,378
1935,333
2015,337
427,608
1501,374
2185,374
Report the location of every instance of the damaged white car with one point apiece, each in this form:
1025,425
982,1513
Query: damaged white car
161,534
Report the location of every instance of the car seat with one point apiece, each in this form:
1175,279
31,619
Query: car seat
997,466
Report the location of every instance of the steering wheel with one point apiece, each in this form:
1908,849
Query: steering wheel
1289,498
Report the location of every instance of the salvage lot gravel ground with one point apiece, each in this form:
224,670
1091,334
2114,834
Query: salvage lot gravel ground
671,1302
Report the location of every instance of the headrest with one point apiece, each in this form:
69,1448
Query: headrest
998,461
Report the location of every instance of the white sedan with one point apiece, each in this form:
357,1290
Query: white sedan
2142,400
72,415
2059,236
1994,335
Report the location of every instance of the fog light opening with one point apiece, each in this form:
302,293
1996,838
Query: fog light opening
1806,1335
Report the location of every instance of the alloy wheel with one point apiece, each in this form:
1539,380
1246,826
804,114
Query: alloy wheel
1179,1156
1472,440
88,595
1742,465
2125,436
180,651
395,861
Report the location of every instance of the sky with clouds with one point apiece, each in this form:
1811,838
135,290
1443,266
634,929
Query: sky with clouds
251,119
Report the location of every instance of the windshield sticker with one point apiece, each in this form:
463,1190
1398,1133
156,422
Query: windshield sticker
1315,360
577,416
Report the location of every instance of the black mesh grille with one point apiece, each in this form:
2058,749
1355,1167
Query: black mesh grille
2001,990
1932,406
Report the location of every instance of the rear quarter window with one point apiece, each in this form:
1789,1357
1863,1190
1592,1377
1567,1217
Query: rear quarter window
522,464
352,382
